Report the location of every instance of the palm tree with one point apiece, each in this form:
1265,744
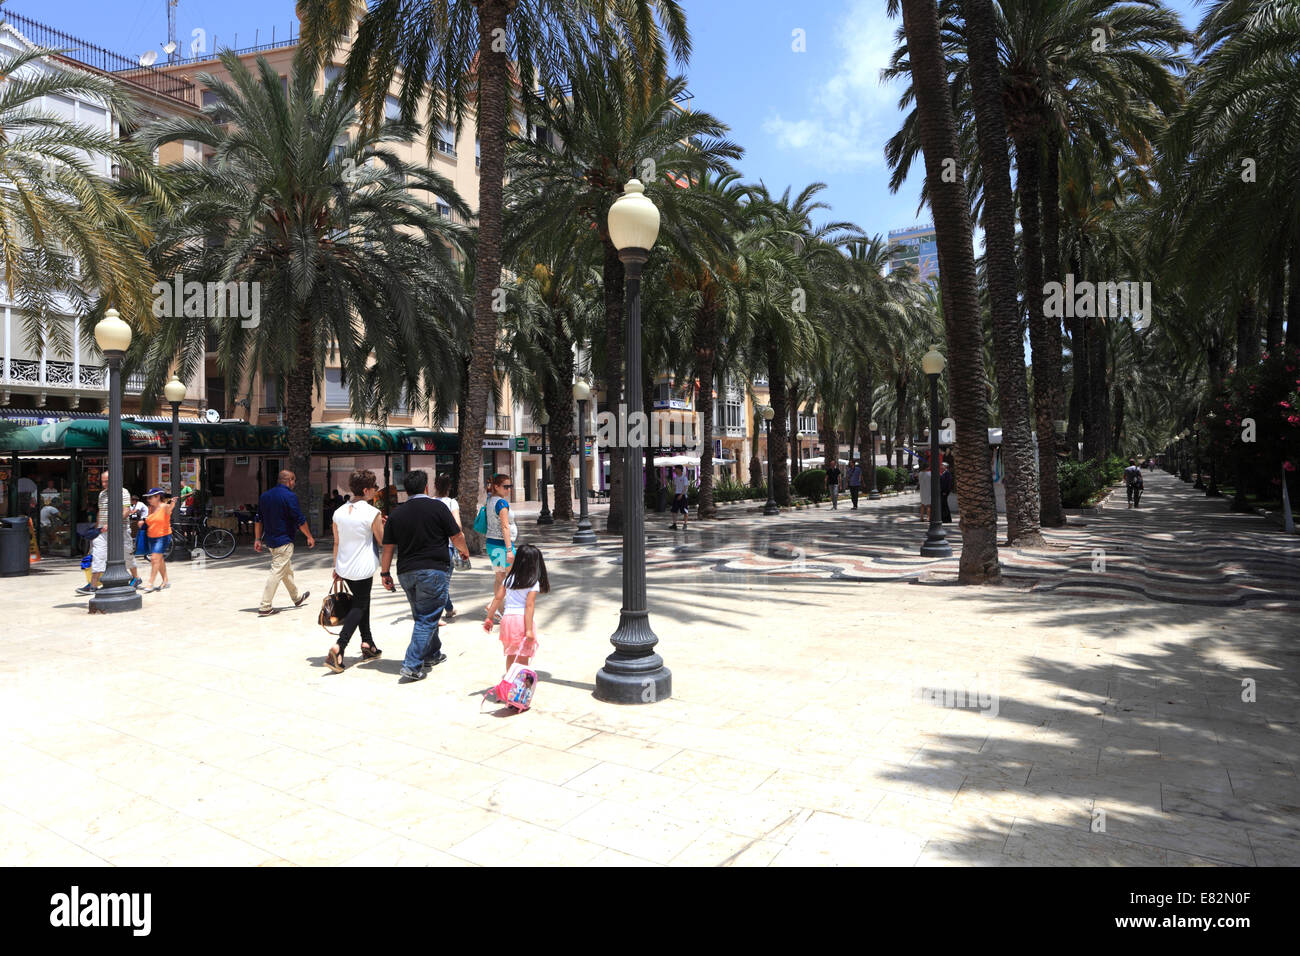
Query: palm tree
68,237
1021,472
454,53
711,273
604,132
948,201
349,259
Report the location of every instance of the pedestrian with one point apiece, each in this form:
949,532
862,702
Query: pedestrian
945,488
280,517
158,528
1133,484
924,479
442,488
356,524
501,529
516,598
50,518
833,484
419,530
855,481
681,503
99,546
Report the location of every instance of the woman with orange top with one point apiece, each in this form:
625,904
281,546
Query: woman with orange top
158,525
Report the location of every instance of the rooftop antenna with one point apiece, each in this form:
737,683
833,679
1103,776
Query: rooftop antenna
171,46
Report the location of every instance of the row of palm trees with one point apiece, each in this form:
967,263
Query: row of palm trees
1127,158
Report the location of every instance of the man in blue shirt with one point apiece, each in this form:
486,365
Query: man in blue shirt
855,481
279,517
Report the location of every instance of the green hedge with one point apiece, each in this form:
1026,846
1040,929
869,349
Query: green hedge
811,484
1080,481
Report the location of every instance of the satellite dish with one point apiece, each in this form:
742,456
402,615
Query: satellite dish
148,58
212,415
169,48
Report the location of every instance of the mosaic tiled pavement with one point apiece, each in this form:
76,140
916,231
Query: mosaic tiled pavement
815,717
1179,547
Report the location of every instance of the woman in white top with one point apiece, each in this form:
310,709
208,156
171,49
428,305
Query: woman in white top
442,492
356,524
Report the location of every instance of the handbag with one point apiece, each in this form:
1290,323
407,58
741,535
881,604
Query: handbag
336,606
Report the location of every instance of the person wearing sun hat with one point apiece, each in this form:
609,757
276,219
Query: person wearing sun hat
158,524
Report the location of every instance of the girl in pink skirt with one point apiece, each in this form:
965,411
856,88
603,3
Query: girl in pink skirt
516,597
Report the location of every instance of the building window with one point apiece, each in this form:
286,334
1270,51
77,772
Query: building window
446,140
336,393
392,108
332,73
760,381
271,393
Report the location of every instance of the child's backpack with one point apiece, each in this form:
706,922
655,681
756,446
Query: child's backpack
516,688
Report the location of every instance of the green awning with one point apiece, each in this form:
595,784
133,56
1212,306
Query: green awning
222,438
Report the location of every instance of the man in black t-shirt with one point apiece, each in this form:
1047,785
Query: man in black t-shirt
419,530
833,484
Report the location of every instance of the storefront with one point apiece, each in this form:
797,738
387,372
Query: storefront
228,464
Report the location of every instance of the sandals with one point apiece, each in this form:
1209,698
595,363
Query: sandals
370,653
334,661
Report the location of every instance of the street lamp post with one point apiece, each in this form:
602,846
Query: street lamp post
634,673
175,392
113,336
768,412
936,541
1196,450
875,476
545,517
583,534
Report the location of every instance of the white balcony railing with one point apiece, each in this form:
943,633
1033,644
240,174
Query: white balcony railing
63,375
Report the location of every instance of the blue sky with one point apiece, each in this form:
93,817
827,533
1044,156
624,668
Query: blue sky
819,115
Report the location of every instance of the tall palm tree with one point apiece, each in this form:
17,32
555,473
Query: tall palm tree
711,273
604,131
451,54
1021,471
344,243
937,131
68,237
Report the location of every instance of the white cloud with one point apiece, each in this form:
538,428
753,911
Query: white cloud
849,117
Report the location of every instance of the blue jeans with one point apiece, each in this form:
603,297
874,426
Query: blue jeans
426,590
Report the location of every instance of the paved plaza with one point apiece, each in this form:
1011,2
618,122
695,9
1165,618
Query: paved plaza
1128,697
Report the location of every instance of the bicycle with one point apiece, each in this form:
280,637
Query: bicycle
215,543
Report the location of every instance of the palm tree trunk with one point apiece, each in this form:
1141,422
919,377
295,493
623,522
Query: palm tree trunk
1276,306
1047,383
950,205
793,405
705,352
559,405
1247,333
1096,439
298,388
776,439
1293,297
558,399
1020,471
612,270
492,68
904,422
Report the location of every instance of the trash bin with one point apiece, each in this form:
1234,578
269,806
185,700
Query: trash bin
15,547
663,499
